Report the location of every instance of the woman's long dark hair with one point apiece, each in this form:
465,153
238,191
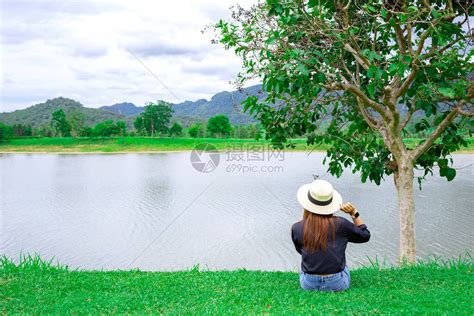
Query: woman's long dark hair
315,231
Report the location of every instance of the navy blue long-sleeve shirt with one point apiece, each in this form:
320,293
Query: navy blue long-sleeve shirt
333,259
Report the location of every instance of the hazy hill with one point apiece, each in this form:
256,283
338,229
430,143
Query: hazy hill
40,114
187,112
126,109
225,102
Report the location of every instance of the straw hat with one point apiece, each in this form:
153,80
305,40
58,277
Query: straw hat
319,197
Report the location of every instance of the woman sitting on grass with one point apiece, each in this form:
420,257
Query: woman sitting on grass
321,238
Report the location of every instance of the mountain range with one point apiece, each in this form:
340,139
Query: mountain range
125,108
227,103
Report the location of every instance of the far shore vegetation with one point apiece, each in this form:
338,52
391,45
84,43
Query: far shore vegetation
153,131
121,144
433,286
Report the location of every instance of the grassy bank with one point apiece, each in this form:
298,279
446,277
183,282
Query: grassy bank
147,144
36,287
124,144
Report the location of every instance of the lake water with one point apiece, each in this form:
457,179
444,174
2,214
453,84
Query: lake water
156,212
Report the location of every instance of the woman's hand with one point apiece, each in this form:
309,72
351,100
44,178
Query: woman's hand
348,208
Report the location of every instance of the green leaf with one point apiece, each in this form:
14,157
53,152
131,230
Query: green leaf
451,174
448,173
277,87
270,40
302,69
403,18
383,13
443,163
371,71
321,77
379,74
371,89
440,118
401,69
392,69
371,8
447,92
373,55
354,30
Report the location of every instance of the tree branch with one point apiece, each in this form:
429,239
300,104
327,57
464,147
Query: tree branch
407,118
427,5
364,63
435,51
421,43
371,121
466,113
371,103
399,37
347,5
349,72
423,147
406,84
426,33
409,39
335,86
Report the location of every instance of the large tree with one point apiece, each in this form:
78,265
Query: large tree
60,124
197,130
6,131
76,120
122,128
176,130
154,119
219,126
108,128
369,68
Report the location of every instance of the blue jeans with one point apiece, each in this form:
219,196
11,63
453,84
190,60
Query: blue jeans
335,282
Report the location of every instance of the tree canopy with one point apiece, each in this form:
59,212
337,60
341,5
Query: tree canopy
371,67
176,129
76,119
108,128
5,131
197,130
60,124
154,119
219,125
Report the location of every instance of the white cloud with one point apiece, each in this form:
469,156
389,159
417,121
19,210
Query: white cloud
83,50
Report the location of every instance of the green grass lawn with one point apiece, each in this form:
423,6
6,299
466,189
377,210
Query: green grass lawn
147,144
126,144
35,287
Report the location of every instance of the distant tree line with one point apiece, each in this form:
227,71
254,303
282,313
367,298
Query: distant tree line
219,126
16,130
74,126
154,121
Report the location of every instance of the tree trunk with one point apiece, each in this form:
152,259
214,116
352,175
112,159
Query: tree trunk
404,183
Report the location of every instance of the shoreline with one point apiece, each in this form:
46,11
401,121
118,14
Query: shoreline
461,152
96,152
149,145
126,152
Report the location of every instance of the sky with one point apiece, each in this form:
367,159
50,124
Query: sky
112,51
